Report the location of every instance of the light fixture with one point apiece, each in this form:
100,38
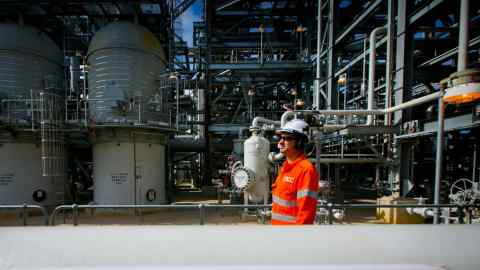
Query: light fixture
173,76
342,80
300,28
293,91
261,28
463,87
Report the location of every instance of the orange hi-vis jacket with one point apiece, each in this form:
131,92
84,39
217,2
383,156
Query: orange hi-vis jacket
294,194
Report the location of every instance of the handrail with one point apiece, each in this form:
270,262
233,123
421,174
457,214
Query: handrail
24,208
202,207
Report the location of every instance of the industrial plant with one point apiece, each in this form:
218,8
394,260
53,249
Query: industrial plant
158,113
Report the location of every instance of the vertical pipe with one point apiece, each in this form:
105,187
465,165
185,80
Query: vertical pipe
261,45
371,70
318,151
362,87
316,93
474,163
439,154
463,36
390,57
177,88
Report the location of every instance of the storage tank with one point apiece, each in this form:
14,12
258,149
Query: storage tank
125,61
253,176
32,167
129,157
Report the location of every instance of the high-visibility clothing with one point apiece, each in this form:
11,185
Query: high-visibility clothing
294,193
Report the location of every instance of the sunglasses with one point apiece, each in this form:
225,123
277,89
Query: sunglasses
287,138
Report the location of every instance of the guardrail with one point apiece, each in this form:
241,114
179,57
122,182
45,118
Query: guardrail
25,208
202,208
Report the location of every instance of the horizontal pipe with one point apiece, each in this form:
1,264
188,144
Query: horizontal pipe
257,120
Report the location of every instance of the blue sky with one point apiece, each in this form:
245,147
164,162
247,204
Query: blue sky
193,14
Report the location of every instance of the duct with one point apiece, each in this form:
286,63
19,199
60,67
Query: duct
371,70
187,145
257,120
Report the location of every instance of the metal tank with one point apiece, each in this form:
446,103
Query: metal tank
129,157
130,166
253,176
32,157
125,61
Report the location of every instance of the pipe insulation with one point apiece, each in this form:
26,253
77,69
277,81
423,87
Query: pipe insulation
173,247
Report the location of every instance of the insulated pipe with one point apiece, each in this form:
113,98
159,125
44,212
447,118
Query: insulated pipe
463,36
285,116
289,114
439,153
257,120
371,70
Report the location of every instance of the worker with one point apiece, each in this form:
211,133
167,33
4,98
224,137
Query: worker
294,192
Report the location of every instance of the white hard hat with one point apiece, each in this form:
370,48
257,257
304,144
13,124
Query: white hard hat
295,126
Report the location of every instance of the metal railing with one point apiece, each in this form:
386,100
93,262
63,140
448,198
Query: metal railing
203,207
25,208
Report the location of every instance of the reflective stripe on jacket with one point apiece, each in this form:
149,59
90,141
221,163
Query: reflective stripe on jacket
294,193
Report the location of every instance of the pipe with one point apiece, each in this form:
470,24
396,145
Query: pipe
423,211
257,120
364,64
272,156
439,153
347,160
463,36
371,70
316,93
405,105
415,102
285,116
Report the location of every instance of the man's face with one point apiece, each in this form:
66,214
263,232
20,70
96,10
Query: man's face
287,143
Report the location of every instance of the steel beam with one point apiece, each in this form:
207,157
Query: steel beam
424,11
365,14
252,44
449,53
257,66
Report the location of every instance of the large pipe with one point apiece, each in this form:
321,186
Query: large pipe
463,36
373,246
371,70
257,120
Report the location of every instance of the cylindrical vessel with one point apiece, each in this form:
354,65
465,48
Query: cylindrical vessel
125,61
256,149
30,63
130,167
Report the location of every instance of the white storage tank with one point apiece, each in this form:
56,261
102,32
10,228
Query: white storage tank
30,63
256,149
125,62
130,166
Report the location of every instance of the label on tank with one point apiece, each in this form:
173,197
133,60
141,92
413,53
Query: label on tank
6,179
119,178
